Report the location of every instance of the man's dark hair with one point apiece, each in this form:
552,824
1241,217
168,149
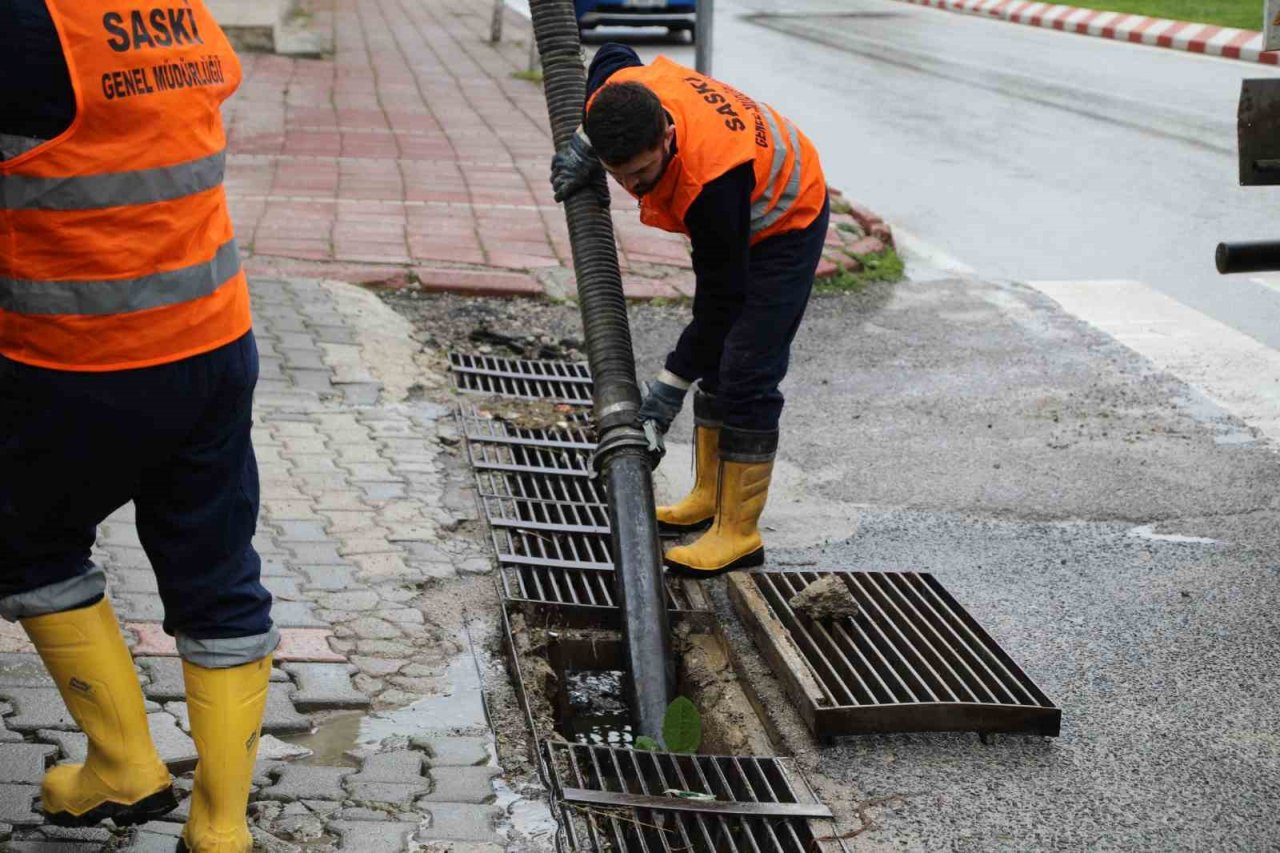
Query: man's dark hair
625,120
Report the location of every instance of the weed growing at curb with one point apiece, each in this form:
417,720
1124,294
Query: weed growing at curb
534,76
883,266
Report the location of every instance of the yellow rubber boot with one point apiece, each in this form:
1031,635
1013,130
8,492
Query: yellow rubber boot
697,509
226,707
122,777
733,542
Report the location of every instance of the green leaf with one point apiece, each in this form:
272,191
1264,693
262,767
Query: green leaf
690,795
647,743
682,726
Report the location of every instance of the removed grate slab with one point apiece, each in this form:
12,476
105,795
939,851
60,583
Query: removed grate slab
526,379
621,799
910,660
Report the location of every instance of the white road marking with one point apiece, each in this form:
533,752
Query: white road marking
1147,531
1237,372
916,251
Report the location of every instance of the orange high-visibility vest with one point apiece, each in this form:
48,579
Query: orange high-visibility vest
116,247
718,128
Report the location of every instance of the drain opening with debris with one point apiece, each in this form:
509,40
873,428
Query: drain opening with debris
857,652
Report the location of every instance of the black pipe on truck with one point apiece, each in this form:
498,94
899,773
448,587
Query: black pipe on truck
1263,256
623,454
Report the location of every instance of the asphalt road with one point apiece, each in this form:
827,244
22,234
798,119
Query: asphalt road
1022,153
1115,532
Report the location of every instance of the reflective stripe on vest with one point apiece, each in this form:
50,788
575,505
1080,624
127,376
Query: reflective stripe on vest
762,215
114,189
121,296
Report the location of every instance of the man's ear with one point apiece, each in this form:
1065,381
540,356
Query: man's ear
669,135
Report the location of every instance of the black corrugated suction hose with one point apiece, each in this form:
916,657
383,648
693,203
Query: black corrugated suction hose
622,457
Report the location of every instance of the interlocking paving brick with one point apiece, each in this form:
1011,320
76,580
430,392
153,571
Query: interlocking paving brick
302,782
176,749
271,748
19,670
459,822
73,746
462,784
36,708
281,717
352,600
54,846
454,751
140,607
317,554
154,837
329,577
399,765
150,639
306,644
325,686
24,762
370,837
396,794
294,614
64,833
16,805
133,580
285,588
166,683
303,531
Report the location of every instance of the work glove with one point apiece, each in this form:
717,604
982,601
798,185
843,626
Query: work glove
575,166
662,404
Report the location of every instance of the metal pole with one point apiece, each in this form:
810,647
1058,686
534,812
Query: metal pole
702,37
622,455
495,23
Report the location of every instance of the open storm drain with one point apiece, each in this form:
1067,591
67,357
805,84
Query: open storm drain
523,379
909,660
622,799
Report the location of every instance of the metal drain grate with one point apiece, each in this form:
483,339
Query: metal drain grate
564,489
524,459
546,515
585,597
577,434
613,799
554,381
911,660
553,548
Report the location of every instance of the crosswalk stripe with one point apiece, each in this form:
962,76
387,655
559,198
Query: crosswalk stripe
1239,373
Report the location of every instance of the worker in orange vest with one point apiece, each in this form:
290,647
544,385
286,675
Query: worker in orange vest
127,370
746,186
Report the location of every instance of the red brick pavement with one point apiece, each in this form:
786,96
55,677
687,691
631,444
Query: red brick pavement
413,149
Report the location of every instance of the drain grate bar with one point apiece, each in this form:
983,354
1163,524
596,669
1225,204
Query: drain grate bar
586,596
553,548
911,660
549,488
525,379
529,460
756,805
577,434
546,515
